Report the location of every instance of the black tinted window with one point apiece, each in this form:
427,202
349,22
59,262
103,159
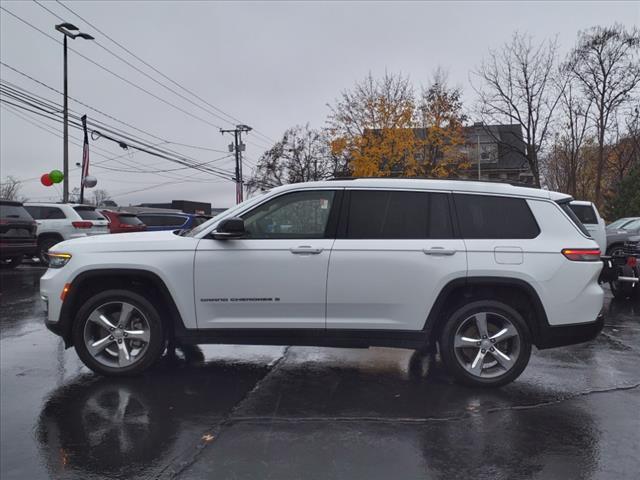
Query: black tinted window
14,211
129,219
162,220
585,213
482,216
45,213
87,213
395,214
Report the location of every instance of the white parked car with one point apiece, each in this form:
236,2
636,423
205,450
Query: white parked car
588,214
64,221
483,270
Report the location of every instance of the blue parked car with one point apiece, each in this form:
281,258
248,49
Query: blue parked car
171,221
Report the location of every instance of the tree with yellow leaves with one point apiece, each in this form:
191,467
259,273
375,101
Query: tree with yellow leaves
380,130
372,126
441,120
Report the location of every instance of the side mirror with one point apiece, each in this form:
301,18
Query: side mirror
229,228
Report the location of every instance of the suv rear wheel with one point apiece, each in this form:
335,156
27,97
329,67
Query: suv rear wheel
485,343
118,333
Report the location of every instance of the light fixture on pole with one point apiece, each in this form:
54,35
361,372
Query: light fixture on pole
72,32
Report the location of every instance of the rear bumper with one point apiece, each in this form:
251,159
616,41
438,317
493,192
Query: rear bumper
15,249
557,336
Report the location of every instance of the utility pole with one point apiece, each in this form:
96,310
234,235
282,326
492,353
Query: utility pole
478,156
238,147
71,31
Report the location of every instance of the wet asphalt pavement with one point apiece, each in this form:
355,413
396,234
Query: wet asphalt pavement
230,412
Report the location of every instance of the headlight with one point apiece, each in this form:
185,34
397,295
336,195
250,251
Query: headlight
58,260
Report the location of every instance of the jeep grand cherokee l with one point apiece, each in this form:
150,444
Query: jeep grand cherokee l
480,271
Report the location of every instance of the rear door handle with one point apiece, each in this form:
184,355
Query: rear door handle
439,251
305,250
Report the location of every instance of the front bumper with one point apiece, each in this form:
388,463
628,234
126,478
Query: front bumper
558,336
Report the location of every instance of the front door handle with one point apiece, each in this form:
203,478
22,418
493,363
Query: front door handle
305,250
439,251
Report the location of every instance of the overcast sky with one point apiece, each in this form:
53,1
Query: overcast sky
270,64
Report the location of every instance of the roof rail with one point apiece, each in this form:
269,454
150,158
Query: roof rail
513,184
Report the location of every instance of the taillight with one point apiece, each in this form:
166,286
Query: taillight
582,254
82,224
632,261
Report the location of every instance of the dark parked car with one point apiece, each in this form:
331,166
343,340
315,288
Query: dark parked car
617,237
17,234
123,222
171,221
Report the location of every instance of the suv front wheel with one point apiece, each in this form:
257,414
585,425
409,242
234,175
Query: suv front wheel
118,333
485,343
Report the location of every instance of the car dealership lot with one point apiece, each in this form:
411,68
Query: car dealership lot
301,412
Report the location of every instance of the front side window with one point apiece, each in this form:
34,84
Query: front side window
294,215
489,217
379,214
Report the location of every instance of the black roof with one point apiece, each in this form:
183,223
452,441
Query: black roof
10,202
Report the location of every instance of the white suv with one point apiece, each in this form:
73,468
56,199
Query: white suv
484,271
64,221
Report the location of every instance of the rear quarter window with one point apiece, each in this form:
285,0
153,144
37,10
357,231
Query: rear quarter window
585,213
489,217
574,218
89,213
129,220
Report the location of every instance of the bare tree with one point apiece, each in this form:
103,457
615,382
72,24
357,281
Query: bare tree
302,155
10,189
574,128
605,62
99,196
518,87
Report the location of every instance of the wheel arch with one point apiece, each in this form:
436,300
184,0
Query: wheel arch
142,281
515,292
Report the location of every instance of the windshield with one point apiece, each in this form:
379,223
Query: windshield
620,223
204,226
633,225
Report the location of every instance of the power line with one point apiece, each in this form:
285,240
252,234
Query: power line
111,72
161,73
54,106
39,110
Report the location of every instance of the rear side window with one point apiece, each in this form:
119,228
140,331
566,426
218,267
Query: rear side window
89,213
484,216
129,219
585,213
576,221
376,214
162,220
45,213
14,211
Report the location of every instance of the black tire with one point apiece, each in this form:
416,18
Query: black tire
11,263
623,290
44,245
155,346
495,310
617,248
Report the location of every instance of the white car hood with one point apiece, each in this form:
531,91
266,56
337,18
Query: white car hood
128,242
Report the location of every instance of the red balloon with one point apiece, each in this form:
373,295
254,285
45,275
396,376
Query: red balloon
46,180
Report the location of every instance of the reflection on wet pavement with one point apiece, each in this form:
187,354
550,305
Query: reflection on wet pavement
275,412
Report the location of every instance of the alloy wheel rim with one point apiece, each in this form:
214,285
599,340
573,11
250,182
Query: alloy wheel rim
487,345
117,334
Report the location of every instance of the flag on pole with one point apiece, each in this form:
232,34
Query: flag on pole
85,150
85,157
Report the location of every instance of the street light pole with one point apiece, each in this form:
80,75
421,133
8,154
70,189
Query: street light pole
65,132
70,31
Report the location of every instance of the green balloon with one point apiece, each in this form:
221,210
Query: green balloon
56,176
